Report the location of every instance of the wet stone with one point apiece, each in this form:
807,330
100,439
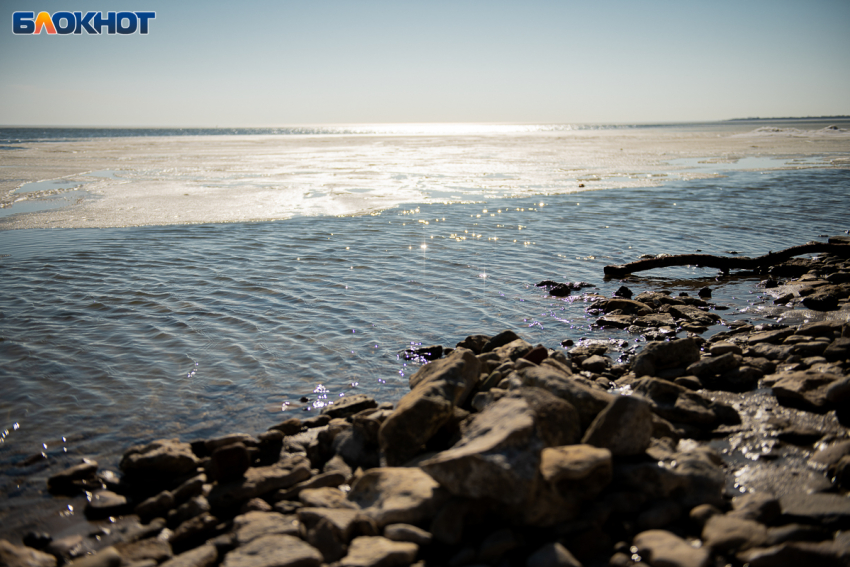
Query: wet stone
274,551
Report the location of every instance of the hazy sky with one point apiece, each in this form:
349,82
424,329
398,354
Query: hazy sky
312,62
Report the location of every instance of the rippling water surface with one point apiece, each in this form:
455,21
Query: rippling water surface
115,336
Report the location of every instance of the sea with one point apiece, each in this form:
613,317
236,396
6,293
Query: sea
122,326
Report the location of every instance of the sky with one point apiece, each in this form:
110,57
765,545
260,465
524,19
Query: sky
278,63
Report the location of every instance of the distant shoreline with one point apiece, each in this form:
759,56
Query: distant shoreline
789,118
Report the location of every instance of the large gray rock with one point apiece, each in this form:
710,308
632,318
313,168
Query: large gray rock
582,470
661,548
274,551
624,427
12,555
677,404
393,495
660,355
497,456
377,551
159,458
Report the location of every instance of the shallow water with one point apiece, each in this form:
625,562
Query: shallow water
115,336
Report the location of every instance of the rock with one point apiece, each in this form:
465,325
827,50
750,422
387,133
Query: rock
436,389
252,525
514,350
770,351
830,510
792,555
677,404
331,478
377,551
166,457
325,497
499,340
428,353
805,389
756,506
796,532
742,379
822,301
70,478
727,533
582,469
19,556
623,292
809,348
192,487
496,457
105,503
664,549
474,343
407,532
722,347
596,363
662,513
711,366
624,427
229,462
625,306
397,495
552,555
274,551
36,540
839,349
701,514
193,531
259,481
195,506
106,557
291,426
690,477
255,505
536,355
496,545
694,315
556,421
216,443
704,292
156,506
589,401
615,321
203,556
350,405
151,548
773,337
660,355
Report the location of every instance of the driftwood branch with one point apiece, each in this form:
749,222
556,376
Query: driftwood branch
726,263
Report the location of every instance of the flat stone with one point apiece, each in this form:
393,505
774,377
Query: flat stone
773,337
259,481
203,556
218,442
805,389
615,321
151,548
349,405
325,497
12,555
331,478
229,462
163,457
499,340
655,320
627,306
694,315
727,533
274,551
156,506
106,557
793,554
65,480
624,427
377,551
407,532
664,549
581,468
393,495
252,525
104,503
723,347
831,510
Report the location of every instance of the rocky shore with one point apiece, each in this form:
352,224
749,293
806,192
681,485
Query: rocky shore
690,452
